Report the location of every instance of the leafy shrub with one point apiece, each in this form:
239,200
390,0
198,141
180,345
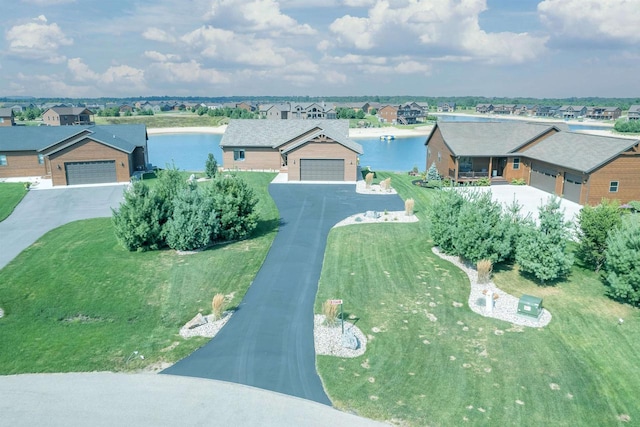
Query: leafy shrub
627,126
139,220
541,250
518,181
594,225
621,266
211,166
483,182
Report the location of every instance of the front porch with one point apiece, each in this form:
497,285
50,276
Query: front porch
471,169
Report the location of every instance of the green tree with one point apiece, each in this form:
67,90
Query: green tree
622,261
211,166
443,213
138,222
594,225
170,183
541,250
234,202
432,173
193,224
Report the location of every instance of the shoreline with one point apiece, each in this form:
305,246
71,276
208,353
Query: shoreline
530,119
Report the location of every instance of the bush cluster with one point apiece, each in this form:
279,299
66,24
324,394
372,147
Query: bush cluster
183,215
473,226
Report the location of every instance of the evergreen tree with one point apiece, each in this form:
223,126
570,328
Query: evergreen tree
193,224
443,214
211,166
432,173
541,250
622,261
234,202
594,225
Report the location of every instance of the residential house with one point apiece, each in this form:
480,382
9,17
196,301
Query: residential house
64,116
604,113
388,114
446,107
484,108
634,112
71,155
504,109
369,107
579,167
572,111
410,113
547,111
307,150
6,117
246,106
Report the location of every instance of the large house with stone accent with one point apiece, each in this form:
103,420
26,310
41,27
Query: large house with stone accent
306,150
71,155
579,167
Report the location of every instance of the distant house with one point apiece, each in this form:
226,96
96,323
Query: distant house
246,106
410,113
307,150
547,111
368,107
71,155
6,117
484,108
126,108
579,167
634,112
388,114
604,113
504,109
572,111
446,107
65,116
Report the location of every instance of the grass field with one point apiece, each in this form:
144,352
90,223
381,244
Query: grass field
430,361
77,301
164,120
10,195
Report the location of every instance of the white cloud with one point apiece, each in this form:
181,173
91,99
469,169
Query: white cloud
119,78
335,77
37,40
351,58
161,57
41,18
256,16
358,3
156,34
80,71
187,72
48,2
123,75
431,29
412,67
617,20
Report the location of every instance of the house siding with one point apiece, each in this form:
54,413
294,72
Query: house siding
86,151
22,164
437,145
254,159
323,148
623,169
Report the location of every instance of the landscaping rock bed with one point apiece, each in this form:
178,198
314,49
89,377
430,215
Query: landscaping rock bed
329,342
506,305
208,329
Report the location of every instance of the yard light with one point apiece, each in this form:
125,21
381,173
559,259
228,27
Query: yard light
620,321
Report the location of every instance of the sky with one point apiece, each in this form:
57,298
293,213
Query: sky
212,48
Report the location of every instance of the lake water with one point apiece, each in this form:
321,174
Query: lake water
189,152
572,126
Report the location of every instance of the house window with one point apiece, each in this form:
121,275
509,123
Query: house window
238,155
3,160
516,163
41,159
439,157
613,186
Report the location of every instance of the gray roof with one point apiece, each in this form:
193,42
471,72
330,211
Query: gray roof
273,134
488,138
70,111
38,138
6,112
634,109
579,151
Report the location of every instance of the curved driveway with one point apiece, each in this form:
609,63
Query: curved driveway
268,343
41,211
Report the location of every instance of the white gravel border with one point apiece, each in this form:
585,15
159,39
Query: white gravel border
361,188
389,217
209,329
506,306
328,340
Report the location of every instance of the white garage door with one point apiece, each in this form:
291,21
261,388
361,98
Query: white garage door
97,172
322,169
543,178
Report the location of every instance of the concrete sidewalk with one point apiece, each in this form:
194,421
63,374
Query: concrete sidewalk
108,399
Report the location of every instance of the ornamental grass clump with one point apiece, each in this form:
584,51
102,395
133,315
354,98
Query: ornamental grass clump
484,268
385,185
368,179
217,306
408,206
330,312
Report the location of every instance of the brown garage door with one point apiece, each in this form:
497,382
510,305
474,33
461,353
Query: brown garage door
543,178
322,169
90,172
572,187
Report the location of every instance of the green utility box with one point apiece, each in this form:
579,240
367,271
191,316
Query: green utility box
530,306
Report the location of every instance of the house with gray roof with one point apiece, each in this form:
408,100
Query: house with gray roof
70,155
65,116
6,117
572,111
634,112
306,150
579,167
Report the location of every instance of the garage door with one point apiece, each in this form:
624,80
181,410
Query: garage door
543,178
322,169
90,172
572,187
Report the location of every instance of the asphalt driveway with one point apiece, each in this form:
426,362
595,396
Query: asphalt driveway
268,343
43,210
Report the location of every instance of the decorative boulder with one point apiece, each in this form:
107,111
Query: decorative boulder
371,214
350,341
198,320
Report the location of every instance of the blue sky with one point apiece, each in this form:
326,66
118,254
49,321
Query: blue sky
515,48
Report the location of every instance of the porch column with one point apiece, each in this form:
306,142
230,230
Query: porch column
490,167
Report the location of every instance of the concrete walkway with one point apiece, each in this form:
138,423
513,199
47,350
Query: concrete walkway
42,211
107,399
268,343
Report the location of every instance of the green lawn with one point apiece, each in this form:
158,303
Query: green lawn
11,193
460,368
164,120
77,301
